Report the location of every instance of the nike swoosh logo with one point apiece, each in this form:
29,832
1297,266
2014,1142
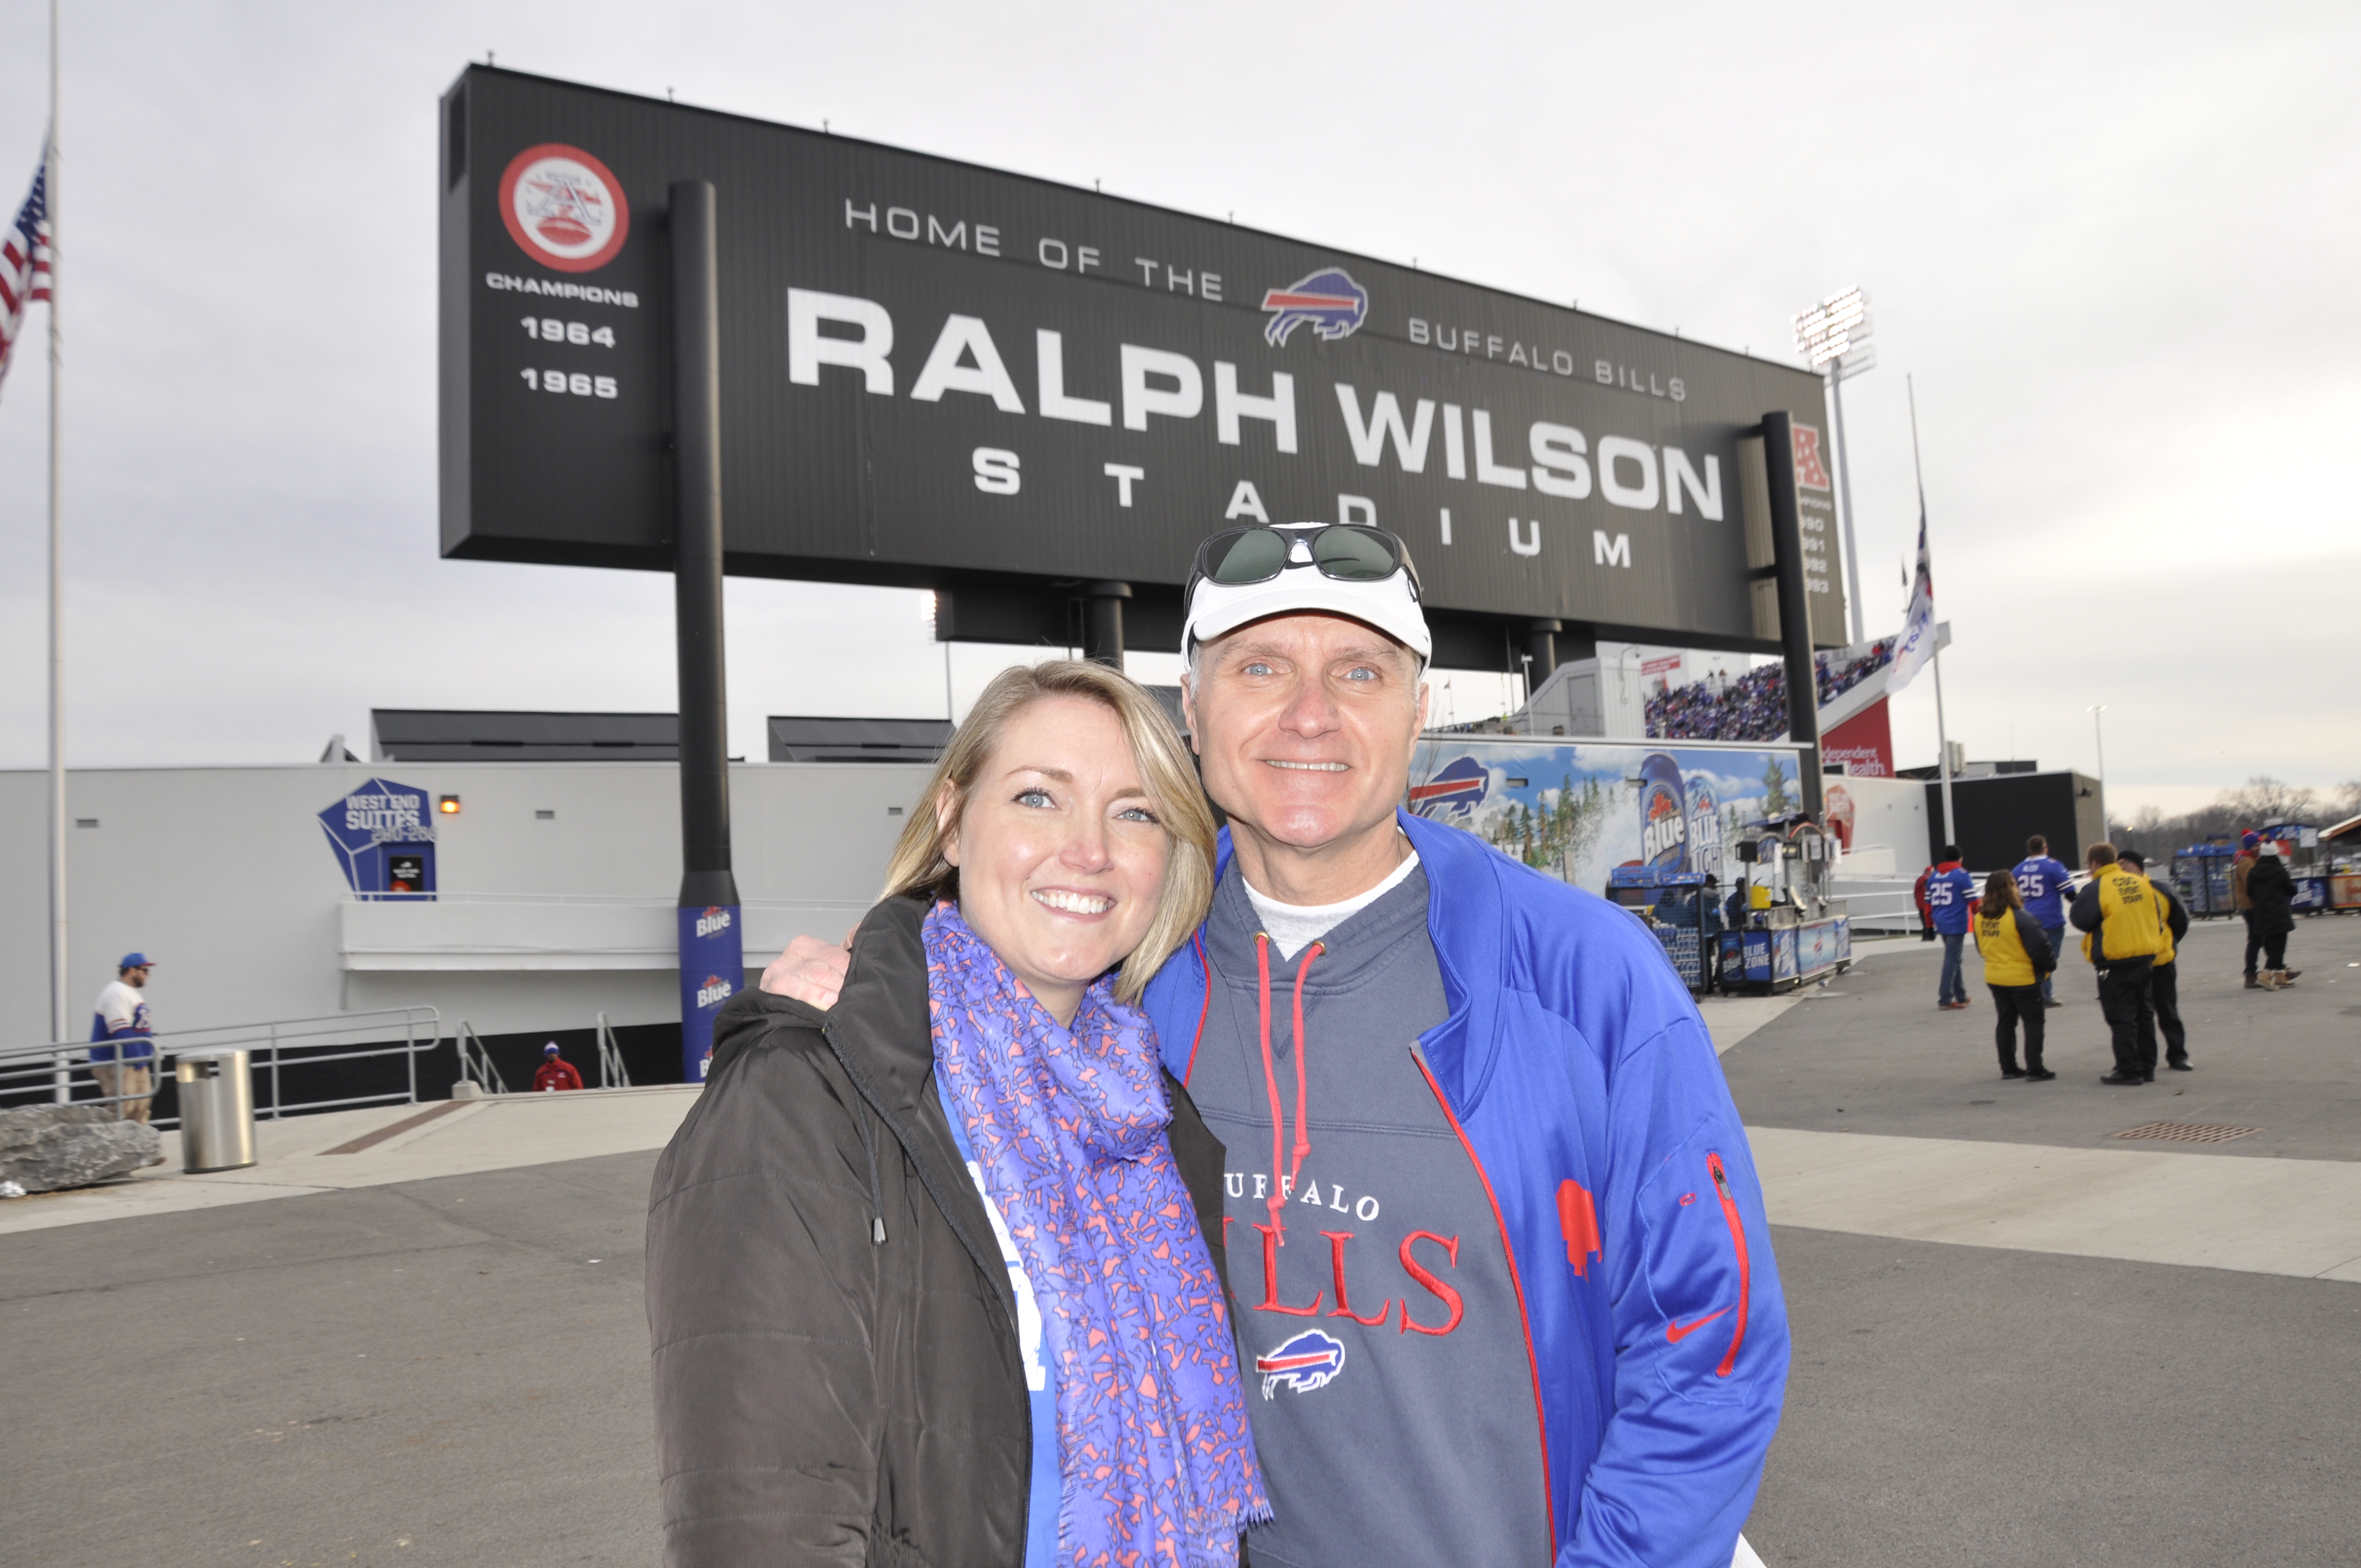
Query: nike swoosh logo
1679,1331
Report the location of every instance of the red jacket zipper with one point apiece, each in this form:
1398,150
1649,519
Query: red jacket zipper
1745,1272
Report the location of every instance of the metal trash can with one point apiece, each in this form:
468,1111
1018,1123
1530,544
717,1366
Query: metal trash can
216,1090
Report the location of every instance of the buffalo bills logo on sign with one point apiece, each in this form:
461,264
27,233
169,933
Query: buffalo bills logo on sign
1329,301
563,207
1310,1360
1457,790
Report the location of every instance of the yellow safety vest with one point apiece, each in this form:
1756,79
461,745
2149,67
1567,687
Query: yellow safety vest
2131,923
2006,963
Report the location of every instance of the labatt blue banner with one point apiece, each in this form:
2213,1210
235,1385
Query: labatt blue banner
712,969
1576,809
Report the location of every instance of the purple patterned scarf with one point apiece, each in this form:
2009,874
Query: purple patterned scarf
1154,1460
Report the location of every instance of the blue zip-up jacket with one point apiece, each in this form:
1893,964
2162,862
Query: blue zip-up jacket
1585,1090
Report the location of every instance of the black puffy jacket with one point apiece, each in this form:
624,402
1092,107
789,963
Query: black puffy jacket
823,1396
2273,892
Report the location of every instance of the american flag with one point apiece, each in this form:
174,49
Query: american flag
24,263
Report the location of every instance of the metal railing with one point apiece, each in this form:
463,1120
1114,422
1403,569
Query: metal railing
612,1072
598,900
1878,903
475,1062
58,1071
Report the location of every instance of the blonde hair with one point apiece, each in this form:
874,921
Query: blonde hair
920,867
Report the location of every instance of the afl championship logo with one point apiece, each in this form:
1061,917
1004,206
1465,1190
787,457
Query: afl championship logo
563,207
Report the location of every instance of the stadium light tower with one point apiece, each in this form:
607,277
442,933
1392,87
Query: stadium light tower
1833,335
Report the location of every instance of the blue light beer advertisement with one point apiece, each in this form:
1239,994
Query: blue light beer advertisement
712,969
1578,809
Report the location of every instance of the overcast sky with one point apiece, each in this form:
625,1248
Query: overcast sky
2115,246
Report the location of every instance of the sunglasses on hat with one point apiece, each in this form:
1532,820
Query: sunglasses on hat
1345,551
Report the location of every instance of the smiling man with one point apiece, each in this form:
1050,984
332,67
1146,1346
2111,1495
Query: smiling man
1482,1164
1504,1281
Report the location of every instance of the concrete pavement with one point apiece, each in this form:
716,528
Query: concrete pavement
379,1146
1871,1113
2017,1340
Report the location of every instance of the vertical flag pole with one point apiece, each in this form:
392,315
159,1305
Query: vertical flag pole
61,1087
1942,731
2099,729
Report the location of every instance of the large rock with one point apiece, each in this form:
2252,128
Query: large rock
45,1148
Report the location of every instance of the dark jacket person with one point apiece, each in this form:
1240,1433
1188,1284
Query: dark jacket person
2272,890
935,1277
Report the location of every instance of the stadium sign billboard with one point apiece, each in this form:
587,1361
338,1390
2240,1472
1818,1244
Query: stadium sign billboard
941,375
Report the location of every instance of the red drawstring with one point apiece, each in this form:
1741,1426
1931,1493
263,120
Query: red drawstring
1303,1143
1279,1189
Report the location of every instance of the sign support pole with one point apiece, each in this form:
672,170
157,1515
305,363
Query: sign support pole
1102,622
1859,615
712,957
1795,608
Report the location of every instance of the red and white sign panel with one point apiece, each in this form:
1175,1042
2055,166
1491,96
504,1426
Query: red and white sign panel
563,208
1863,743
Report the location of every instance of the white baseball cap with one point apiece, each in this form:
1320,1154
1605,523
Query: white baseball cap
1292,567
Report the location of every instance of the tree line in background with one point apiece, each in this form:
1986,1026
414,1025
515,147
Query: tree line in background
2258,803
1552,831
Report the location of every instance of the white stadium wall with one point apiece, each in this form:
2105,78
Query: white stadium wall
225,876
1889,836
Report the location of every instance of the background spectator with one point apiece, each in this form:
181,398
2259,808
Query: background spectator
2164,975
121,1030
2272,891
2249,846
1754,706
2045,884
555,1072
2017,956
1950,893
2126,923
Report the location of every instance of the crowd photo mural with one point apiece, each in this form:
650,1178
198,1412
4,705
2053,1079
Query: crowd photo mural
1578,809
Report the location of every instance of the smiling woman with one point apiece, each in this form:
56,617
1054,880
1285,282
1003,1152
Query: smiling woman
1069,826
829,1370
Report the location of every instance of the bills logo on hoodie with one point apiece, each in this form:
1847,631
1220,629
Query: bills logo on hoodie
1310,1360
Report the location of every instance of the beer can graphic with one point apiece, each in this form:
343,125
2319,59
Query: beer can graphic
1705,827
1663,815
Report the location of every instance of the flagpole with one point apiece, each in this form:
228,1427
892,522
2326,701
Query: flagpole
61,1087
1942,731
